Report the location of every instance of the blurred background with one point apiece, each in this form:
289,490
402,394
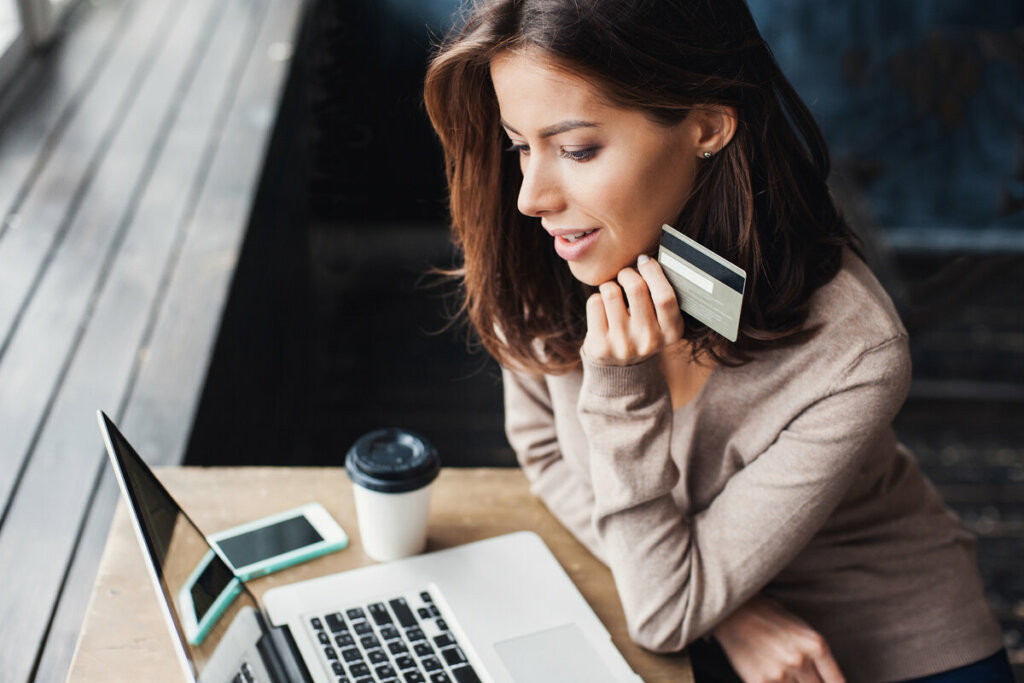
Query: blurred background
334,323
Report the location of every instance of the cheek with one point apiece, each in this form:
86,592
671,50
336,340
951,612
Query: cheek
635,192
670,182
614,194
642,200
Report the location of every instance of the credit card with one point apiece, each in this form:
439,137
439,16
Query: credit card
707,286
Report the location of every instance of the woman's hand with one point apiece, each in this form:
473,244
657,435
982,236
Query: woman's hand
766,643
617,335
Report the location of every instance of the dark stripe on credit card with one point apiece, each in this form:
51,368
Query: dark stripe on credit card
702,261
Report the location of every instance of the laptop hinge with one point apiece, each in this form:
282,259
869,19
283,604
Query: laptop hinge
281,654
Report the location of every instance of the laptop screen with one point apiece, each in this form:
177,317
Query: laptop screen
199,589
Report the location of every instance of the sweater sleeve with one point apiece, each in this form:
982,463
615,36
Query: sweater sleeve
530,427
679,575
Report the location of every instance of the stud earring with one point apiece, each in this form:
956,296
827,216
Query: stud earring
708,155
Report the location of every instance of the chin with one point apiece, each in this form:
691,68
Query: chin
591,275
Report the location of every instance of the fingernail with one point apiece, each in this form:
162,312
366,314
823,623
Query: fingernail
642,259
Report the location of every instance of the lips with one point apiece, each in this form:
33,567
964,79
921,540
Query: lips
579,235
573,244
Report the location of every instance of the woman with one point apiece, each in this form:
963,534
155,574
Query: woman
749,493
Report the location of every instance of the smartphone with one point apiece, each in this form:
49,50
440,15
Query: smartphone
250,550
267,545
206,593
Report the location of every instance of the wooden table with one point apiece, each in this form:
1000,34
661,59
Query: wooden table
124,636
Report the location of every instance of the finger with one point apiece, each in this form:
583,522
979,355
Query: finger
597,321
808,673
618,318
820,665
644,330
595,344
637,295
663,298
828,668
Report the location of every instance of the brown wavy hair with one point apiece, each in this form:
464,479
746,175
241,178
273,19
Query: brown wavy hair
762,202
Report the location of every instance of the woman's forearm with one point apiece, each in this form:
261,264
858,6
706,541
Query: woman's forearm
680,571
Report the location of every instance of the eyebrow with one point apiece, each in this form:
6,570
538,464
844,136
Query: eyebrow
560,127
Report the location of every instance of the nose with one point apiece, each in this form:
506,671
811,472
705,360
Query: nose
541,192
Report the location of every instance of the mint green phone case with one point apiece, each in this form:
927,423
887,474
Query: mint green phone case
196,632
333,538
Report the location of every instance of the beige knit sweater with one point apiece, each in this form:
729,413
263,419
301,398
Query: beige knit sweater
783,476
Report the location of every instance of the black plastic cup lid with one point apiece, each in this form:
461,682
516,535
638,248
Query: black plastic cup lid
392,461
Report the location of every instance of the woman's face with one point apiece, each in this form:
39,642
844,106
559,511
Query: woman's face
601,178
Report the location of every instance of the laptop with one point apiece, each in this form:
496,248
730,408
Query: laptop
500,610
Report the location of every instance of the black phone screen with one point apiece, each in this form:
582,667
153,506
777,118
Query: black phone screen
266,542
210,584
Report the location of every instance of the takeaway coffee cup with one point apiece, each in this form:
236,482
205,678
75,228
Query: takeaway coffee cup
391,472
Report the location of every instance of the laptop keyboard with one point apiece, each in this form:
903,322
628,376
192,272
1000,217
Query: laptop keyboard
402,640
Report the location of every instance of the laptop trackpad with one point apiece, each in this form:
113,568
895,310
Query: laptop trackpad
554,656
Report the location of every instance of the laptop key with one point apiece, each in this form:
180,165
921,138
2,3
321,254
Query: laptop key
356,613
431,663
405,662
352,655
389,633
444,640
359,669
384,671
425,597
369,642
442,624
440,677
397,647
414,677
380,614
377,656
453,656
423,650
338,668
414,634
423,612
465,674
336,623
345,640
362,627
402,611
317,624
323,638
364,680
330,653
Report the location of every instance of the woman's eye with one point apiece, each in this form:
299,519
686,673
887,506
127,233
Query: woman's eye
518,147
579,154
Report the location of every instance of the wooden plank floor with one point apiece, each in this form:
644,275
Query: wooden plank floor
129,159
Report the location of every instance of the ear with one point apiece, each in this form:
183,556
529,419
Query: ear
715,126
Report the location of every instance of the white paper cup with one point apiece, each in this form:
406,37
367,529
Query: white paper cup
392,471
392,525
